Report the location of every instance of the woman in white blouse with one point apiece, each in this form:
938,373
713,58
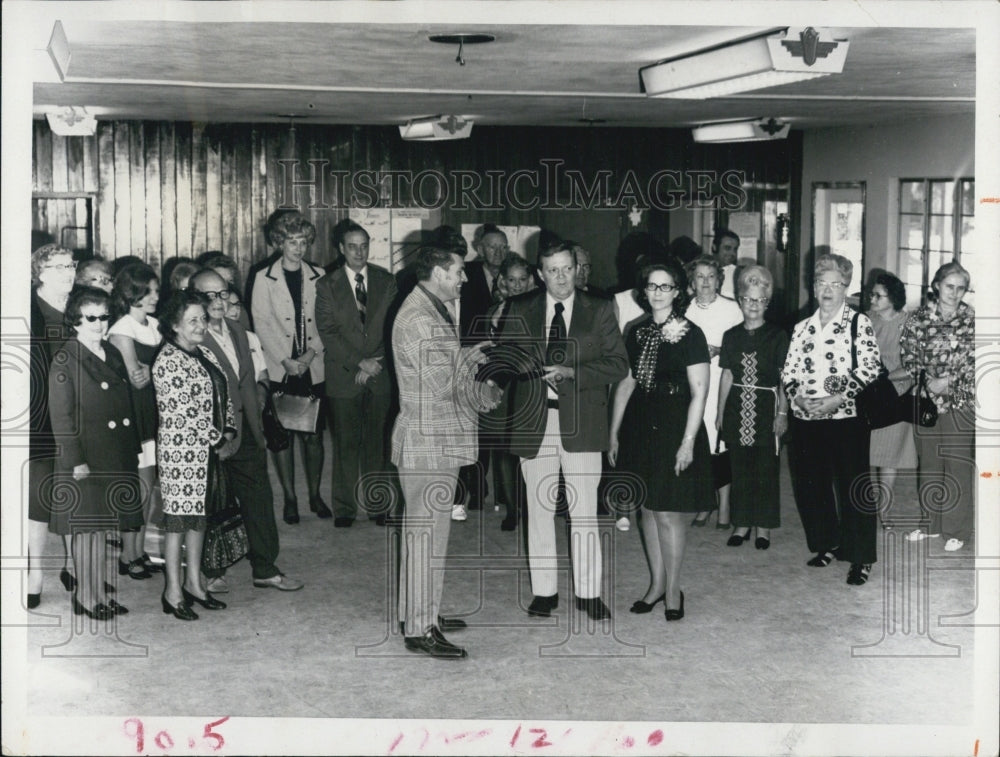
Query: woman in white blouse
829,442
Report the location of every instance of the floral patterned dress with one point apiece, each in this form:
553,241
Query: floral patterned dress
192,423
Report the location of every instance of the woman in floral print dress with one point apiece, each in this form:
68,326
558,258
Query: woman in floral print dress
939,339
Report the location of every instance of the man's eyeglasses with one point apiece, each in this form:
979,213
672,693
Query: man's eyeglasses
223,294
662,288
762,301
62,266
91,318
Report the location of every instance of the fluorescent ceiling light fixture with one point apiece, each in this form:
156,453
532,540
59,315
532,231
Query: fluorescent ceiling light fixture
766,60
741,131
436,128
72,121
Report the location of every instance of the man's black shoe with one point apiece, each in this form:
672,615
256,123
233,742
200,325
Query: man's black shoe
343,522
542,607
434,644
594,607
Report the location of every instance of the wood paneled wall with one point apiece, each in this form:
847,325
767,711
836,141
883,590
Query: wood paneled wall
161,189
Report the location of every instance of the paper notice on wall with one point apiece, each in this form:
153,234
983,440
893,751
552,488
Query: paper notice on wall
410,227
377,222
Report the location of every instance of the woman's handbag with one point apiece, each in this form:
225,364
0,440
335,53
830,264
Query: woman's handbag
226,536
917,406
275,435
296,413
878,402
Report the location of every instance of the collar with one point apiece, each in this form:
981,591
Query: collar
352,274
841,317
309,271
438,305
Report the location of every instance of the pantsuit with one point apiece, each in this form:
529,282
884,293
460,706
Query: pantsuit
581,471
831,476
948,473
424,544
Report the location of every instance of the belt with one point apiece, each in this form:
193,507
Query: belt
552,404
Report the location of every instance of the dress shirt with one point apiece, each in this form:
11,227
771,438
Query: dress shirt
225,341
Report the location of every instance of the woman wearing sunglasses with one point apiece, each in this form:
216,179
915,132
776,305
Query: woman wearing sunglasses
95,482
753,411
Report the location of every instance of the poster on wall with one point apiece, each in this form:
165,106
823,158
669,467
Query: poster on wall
746,225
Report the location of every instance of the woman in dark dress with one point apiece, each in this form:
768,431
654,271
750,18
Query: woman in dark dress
96,487
753,410
657,409
53,271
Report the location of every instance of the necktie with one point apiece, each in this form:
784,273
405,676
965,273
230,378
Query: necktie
361,295
494,291
555,351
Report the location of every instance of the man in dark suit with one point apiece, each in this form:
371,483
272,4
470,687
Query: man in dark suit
559,421
244,460
478,295
351,307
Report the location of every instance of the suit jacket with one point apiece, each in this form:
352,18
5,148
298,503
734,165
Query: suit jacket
475,303
439,398
597,354
274,318
242,384
346,340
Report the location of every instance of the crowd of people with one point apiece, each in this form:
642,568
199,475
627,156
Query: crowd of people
150,394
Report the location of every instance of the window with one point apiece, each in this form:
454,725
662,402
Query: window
936,222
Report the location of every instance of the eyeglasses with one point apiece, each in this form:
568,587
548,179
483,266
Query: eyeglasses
91,318
62,266
831,285
762,301
223,294
662,288
99,279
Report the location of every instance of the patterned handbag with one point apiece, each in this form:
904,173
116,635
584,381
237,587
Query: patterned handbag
226,536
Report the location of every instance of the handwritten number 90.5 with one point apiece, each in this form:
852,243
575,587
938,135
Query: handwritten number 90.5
135,729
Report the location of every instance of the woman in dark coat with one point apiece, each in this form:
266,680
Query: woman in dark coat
96,487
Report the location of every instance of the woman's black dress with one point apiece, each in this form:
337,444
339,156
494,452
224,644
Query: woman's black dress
655,418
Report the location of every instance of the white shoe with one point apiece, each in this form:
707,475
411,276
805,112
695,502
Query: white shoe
622,524
953,545
458,512
217,585
918,535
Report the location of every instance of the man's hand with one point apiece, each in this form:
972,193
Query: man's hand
491,395
556,374
361,377
81,471
371,366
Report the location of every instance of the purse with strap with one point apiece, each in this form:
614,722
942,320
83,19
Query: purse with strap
917,406
275,435
877,403
296,413
226,539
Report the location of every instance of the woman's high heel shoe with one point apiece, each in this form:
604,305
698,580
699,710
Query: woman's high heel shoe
762,542
34,600
100,611
702,522
675,614
209,602
290,514
736,540
181,611
640,607
68,580
116,608
134,569
149,565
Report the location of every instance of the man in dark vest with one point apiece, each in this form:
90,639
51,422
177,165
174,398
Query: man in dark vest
244,460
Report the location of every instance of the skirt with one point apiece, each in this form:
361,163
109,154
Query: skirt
754,496
893,447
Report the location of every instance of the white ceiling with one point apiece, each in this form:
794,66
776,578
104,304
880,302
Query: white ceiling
546,74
